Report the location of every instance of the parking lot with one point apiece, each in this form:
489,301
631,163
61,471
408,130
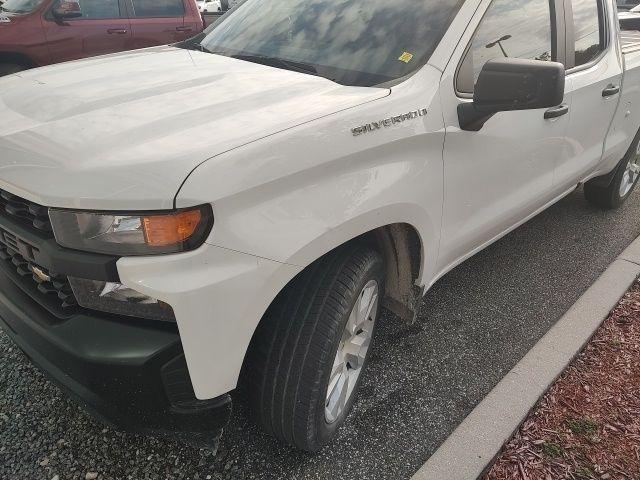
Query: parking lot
475,324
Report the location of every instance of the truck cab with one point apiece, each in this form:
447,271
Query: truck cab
40,32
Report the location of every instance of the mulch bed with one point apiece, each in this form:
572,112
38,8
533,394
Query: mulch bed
587,426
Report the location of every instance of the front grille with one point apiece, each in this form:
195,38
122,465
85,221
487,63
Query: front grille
50,290
10,240
29,213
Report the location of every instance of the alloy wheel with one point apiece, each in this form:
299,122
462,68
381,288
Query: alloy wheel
352,351
631,173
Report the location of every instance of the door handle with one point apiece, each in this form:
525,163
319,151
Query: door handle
556,112
117,31
611,90
184,29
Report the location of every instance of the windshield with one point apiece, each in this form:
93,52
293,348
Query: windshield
353,42
20,6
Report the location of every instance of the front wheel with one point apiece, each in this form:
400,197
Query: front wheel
306,361
624,181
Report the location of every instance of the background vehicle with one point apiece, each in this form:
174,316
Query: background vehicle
41,32
150,270
209,6
630,20
627,4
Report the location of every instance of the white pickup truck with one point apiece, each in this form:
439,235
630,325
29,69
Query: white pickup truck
239,207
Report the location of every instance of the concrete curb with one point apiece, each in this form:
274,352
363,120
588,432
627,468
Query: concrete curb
472,447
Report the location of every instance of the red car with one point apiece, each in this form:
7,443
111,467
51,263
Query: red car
40,32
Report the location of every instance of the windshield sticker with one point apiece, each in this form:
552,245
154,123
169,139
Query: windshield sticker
406,57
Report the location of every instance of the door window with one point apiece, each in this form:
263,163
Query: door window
510,28
96,9
20,7
588,31
158,8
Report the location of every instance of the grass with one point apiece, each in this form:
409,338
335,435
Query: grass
584,472
583,427
551,449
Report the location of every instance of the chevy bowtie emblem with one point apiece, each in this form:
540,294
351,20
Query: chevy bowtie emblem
40,274
388,122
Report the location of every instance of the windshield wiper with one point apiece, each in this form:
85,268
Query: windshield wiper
202,48
269,61
279,63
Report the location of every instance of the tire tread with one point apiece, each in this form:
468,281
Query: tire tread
285,359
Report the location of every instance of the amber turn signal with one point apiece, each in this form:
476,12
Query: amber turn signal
165,230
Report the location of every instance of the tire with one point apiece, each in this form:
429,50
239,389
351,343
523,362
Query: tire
9,68
303,337
622,184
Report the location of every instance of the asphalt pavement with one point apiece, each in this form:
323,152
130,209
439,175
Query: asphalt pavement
474,326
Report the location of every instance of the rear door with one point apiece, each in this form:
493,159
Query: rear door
102,28
158,22
594,77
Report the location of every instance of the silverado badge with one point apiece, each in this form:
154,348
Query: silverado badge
388,122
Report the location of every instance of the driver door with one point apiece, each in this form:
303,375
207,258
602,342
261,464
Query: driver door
103,28
497,177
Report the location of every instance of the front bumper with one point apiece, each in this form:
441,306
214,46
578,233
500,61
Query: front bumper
128,373
218,297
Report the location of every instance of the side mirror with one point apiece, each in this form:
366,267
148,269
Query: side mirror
509,84
66,10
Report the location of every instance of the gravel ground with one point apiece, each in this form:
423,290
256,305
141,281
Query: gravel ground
474,326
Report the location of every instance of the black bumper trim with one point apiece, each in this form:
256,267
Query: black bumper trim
112,367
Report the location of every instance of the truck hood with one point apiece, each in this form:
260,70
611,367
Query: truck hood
123,131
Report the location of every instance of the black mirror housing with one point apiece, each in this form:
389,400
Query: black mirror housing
509,84
67,10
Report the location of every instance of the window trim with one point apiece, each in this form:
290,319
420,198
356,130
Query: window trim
605,37
558,41
132,12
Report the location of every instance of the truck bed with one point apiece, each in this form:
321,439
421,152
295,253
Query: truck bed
630,41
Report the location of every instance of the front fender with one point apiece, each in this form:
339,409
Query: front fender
296,195
218,297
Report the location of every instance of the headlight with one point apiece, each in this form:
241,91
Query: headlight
132,234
